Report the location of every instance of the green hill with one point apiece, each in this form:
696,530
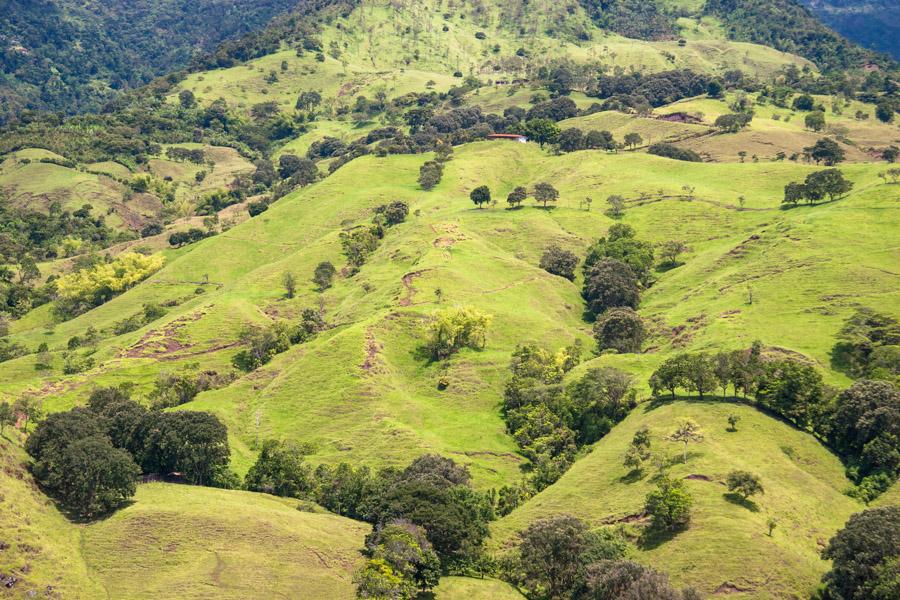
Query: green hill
726,549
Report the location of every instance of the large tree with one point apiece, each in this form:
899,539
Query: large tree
610,283
861,553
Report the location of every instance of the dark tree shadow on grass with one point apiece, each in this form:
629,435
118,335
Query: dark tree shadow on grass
654,538
741,501
633,476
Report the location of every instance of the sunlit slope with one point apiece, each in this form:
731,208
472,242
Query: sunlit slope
179,541
359,391
39,548
727,547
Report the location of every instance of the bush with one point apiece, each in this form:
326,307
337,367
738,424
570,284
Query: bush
744,484
393,213
324,275
87,288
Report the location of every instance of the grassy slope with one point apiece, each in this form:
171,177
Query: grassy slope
467,588
804,274
39,545
803,483
173,541
201,542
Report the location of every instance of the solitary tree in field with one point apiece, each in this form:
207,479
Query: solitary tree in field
744,484
815,120
733,421
323,275
544,192
28,408
639,450
687,432
771,524
616,206
481,195
290,284
669,505
670,250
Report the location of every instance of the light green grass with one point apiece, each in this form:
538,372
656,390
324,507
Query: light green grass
468,588
44,547
189,542
726,543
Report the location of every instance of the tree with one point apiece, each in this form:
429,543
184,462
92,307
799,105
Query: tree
455,328
616,206
543,131
733,421
699,373
557,261
308,100
669,375
793,193
323,275
545,192
517,196
91,477
570,140
29,408
633,140
621,243
610,283
619,329
480,195
860,552
687,431
288,165
829,182
7,415
289,283
265,173
670,250
715,88
826,150
639,450
744,484
865,424
430,174
669,505
192,443
804,102
815,120
733,123
394,213
186,99
280,470
377,580
555,551
405,547
884,110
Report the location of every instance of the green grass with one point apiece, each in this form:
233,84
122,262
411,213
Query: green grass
468,588
727,543
189,542
43,546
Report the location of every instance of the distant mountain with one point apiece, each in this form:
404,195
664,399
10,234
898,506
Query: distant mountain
73,55
870,23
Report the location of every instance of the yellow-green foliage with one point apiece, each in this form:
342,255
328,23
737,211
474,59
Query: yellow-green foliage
114,277
455,328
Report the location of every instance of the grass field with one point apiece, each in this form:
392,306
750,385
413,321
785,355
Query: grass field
727,546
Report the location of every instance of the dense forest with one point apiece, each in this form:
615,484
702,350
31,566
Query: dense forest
70,56
871,23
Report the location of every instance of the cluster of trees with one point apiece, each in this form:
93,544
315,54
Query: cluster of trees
452,329
573,139
671,151
616,269
868,346
86,288
826,151
194,155
362,241
550,420
865,557
640,91
557,261
433,493
862,422
632,18
561,557
90,458
431,172
816,187
262,344
189,236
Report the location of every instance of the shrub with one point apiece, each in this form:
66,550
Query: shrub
281,470
323,275
87,288
744,484
393,213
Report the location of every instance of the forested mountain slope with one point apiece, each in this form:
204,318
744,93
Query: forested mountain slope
870,23
71,56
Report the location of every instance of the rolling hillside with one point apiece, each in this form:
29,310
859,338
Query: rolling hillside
361,389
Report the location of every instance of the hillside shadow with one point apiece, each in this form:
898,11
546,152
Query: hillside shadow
632,476
741,501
